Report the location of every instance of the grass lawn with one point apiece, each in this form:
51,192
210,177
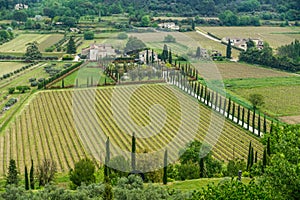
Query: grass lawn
85,73
19,43
7,67
197,184
275,36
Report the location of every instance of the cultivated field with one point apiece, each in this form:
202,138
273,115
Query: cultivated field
275,36
46,127
7,67
19,43
231,70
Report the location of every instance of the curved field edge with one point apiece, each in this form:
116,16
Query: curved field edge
46,128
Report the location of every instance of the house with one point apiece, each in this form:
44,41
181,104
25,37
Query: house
97,51
143,56
21,6
242,42
168,25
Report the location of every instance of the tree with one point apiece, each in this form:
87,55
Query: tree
165,176
31,176
134,44
249,156
198,52
169,39
20,16
22,89
193,25
89,35
46,171
83,172
164,55
228,49
201,165
11,90
32,51
107,158
170,56
147,56
26,179
145,22
12,176
250,44
133,151
256,100
71,47
108,192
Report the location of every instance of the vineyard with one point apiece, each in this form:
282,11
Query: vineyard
47,128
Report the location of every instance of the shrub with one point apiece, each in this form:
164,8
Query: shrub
89,35
34,84
122,36
68,57
32,80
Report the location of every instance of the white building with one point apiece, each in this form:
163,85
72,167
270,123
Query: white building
168,25
242,42
21,6
98,51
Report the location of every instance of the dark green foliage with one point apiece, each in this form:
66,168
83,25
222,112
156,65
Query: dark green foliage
46,172
12,176
228,50
239,113
71,47
134,44
88,35
193,25
233,167
164,55
169,39
253,121
233,110
62,83
152,56
170,56
265,124
133,151
256,100
264,160
201,166
26,179
268,147
108,192
31,176
83,172
228,108
147,56
258,125
291,51
165,175
248,119
11,90
32,51
249,156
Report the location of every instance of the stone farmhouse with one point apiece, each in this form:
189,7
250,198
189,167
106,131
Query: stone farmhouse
143,55
97,51
242,42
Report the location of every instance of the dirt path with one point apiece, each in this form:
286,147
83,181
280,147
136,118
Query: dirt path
206,35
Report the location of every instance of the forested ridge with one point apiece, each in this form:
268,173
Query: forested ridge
265,9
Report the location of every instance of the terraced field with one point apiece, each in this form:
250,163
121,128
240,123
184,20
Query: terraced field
47,128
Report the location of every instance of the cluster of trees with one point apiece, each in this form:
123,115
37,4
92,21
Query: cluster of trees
287,58
228,18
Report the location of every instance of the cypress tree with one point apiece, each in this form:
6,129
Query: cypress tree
264,160
258,127
62,83
243,117
220,103
170,56
268,146
205,93
208,98
107,157
249,156
255,159
12,177
239,113
201,165
228,108
71,47
92,81
165,53
253,121
26,179
87,81
271,127
225,104
248,119
196,75
216,100
233,111
77,82
31,176
212,98
265,124
201,93
165,175
193,25
198,90
133,151
152,57
105,81
147,57
228,49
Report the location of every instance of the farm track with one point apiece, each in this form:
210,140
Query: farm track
46,127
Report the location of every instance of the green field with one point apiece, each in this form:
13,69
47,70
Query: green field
19,43
86,73
51,132
7,67
275,36
281,94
